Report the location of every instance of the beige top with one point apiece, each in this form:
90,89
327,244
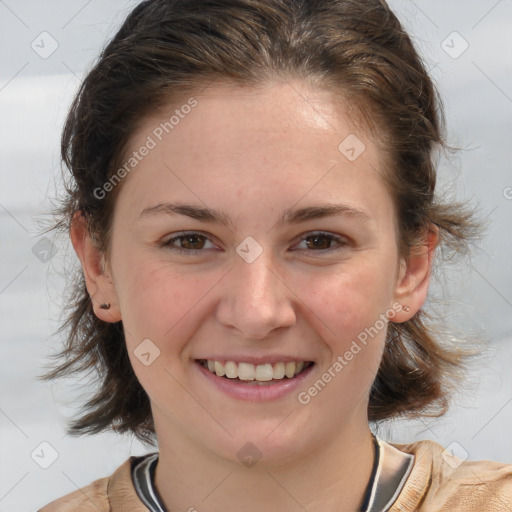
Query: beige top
436,483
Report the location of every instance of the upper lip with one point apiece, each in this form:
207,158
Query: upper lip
256,360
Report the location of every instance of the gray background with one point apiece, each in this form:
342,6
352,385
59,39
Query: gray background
35,93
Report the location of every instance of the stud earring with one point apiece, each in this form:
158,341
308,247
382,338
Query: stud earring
406,308
105,305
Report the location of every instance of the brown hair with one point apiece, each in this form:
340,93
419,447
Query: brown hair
166,48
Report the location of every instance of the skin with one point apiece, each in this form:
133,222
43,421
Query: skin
252,154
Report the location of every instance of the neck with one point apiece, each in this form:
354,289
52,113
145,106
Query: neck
331,477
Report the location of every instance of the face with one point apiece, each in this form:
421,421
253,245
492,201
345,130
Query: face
246,235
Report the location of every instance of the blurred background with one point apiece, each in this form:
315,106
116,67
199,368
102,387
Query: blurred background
46,47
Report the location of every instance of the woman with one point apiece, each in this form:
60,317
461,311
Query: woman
253,208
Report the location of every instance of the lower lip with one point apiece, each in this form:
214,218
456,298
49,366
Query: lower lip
255,392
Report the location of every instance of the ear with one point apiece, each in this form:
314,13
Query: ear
98,282
414,276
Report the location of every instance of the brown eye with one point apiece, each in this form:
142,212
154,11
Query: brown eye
322,243
192,241
188,242
319,241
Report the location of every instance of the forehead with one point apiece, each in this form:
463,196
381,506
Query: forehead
283,142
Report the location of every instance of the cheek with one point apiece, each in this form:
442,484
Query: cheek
349,312
158,302
349,300
165,307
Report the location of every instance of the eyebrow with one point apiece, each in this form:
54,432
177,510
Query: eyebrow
290,216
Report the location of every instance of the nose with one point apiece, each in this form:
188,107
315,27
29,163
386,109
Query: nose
256,300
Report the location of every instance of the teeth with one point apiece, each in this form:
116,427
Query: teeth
246,371
219,369
231,370
279,371
249,372
264,372
289,369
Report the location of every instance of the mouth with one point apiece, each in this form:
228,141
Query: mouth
260,374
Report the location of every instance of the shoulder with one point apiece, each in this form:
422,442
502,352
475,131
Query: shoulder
114,492
440,481
92,497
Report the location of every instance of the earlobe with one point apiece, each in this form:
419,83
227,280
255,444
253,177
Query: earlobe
414,276
97,280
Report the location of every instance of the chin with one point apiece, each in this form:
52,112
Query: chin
266,443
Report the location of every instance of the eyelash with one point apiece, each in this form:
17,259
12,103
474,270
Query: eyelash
341,241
